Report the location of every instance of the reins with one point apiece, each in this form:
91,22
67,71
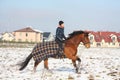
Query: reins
86,43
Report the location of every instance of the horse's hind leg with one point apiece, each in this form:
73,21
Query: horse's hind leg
35,65
46,64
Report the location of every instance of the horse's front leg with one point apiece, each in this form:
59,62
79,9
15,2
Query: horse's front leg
78,65
74,63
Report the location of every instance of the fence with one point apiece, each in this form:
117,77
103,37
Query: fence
17,44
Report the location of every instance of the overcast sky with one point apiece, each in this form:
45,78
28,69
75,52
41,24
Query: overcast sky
44,15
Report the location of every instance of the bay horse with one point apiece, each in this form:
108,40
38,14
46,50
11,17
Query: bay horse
70,49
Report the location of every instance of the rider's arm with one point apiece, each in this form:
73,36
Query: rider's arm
64,37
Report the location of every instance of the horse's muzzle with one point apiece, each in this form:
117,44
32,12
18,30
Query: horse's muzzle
87,45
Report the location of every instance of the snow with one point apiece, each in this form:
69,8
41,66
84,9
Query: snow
97,64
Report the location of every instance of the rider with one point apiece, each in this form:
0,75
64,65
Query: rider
60,35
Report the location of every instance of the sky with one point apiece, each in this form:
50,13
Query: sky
95,15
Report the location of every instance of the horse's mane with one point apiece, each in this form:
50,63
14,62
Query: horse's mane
75,33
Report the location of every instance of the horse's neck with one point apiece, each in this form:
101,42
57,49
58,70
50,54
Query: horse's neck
75,41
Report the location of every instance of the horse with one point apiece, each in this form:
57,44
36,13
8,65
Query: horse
70,50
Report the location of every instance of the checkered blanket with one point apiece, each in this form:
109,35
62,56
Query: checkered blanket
45,50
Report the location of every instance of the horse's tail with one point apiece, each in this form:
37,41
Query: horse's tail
25,63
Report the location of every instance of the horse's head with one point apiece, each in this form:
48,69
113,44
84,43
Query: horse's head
85,39
80,36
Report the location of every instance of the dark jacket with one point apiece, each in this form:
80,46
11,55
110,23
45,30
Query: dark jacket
60,34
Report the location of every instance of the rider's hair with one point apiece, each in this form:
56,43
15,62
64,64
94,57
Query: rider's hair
61,22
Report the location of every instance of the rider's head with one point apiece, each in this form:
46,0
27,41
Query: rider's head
61,24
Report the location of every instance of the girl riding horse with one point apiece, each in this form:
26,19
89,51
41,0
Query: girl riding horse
70,50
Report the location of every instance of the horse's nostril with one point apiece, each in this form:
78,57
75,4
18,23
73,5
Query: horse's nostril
87,46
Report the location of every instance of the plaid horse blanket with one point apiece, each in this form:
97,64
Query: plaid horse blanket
45,50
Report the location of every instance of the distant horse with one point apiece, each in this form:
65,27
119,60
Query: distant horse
45,50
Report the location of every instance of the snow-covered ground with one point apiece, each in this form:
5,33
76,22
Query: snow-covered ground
97,63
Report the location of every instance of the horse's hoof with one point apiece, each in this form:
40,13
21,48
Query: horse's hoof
49,71
34,70
78,72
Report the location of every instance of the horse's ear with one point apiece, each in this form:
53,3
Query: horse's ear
87,34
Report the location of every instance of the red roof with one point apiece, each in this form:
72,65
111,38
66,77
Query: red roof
96,36
105,35
27,29
118,36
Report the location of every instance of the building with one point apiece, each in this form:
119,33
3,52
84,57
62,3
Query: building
7,37
118,37
0,36
95,39
28,34
104,39
47,36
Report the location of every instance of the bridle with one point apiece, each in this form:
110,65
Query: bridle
84,42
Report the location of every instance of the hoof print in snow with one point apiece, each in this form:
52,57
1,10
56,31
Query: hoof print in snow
112,74
70,78
91,77
97,75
